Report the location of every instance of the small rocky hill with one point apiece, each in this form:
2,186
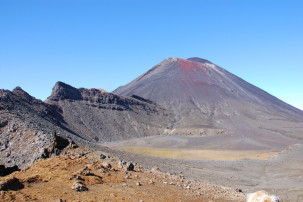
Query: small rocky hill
26,126
98,116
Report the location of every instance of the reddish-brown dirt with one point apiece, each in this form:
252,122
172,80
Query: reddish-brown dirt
52,179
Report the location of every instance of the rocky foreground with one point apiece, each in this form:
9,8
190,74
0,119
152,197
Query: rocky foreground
85,175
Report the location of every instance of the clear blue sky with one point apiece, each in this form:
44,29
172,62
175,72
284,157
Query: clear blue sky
108,43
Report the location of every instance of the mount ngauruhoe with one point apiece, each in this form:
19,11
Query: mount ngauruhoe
208,101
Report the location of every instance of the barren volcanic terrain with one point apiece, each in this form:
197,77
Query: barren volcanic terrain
190,118
222,121
103,180
99,116
220,110
81,115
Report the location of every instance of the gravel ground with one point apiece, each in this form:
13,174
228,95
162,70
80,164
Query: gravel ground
280,175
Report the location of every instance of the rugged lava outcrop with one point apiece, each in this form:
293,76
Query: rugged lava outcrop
82,115
26,126
96,115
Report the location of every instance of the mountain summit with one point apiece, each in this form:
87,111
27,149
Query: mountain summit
207,100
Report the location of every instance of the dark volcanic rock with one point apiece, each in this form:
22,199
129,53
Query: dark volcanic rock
209,101
63,91
196,98
96,115
26,126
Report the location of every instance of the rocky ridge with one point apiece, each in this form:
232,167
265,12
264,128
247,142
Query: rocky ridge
98,116
26,126
80,115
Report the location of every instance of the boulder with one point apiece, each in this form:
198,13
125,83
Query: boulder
106,165
155,169
79,186
84,171
262,196
129,166
120,164
59,143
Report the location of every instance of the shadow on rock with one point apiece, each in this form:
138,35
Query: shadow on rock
7,170
11,184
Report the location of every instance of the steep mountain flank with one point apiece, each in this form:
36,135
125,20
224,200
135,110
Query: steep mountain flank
98,116
26,126
207,100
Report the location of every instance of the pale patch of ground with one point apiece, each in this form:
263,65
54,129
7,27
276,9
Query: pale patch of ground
202,154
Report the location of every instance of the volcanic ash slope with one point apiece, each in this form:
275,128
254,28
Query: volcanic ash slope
207,100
